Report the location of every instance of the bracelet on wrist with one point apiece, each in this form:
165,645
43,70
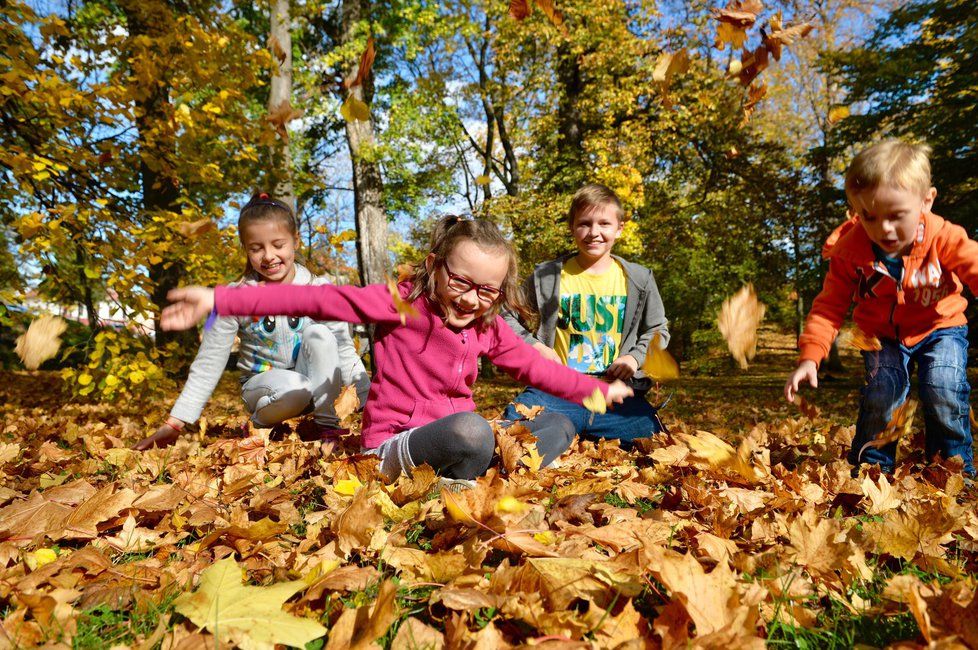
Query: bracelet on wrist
175,423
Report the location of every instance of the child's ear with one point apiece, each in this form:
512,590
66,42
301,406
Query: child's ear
929,199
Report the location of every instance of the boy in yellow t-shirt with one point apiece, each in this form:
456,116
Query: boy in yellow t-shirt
598,313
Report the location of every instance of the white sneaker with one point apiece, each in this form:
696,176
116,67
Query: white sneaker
455,484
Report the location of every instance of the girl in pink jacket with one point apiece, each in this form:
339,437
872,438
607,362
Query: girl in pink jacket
420,409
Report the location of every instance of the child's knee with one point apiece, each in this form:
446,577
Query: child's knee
884,389
284,401
318,335
473,435
560,424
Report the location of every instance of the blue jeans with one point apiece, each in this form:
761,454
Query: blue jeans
941,361
634,418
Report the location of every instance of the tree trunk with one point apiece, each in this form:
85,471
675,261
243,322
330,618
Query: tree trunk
280,98
368,185
157,142
570,171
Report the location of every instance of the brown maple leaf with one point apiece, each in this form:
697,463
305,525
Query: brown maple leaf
740,316
346,404
364,67
195,228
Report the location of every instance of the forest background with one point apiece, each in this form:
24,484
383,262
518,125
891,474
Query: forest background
131,129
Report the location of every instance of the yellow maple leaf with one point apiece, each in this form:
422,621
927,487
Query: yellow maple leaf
404,308
862,341
354,110
658,363
533,459
898,426
41,341
595,402
248,616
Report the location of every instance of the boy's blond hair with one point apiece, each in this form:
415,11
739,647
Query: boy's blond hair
890,163
591,196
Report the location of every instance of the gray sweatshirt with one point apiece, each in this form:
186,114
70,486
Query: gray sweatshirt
644,314
266,342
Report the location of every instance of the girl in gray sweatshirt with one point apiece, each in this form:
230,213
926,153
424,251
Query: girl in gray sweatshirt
288,364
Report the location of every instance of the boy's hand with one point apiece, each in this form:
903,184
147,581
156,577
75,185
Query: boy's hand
623,367
189,305
547,352
805,370
617,392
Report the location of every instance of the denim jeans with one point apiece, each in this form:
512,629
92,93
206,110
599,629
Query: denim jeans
941,361
634,418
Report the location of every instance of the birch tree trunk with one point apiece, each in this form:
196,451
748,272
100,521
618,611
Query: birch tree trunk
280,98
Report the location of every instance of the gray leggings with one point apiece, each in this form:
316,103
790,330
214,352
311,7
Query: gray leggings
461,445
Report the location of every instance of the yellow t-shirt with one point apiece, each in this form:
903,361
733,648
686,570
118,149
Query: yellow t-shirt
590,317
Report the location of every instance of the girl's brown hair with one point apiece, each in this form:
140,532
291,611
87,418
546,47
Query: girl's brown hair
262,207
448,233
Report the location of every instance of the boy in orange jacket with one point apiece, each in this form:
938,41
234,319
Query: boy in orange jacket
903,266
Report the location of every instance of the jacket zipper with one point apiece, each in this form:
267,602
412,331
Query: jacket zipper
461,361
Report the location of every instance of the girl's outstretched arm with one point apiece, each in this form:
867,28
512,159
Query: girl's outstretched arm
371,304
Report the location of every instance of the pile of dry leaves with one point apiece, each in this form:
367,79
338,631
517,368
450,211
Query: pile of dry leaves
687,540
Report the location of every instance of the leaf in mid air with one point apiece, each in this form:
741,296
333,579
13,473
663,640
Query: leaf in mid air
595,402
195,228
404,309
740,316
347,403
659,364
354,110
251,617
519,9
898,426
41,341
862,341
364,67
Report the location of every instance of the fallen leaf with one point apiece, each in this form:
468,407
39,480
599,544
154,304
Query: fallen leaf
248,616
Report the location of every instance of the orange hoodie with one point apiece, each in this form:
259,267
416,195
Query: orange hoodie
929,297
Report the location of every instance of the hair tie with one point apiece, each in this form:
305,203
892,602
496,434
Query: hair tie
263,195
454,220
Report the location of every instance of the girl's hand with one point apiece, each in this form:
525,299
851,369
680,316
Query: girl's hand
165,436
805,370
547,352
189,306
623,367
617,392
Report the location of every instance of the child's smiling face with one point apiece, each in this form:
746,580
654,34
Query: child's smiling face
470,266
890,215
596,230
270,248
